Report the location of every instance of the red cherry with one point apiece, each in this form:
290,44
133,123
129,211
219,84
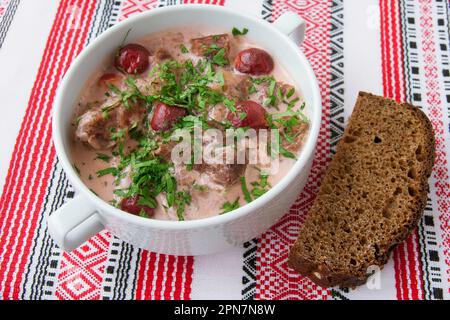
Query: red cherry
132,59
164,116
131,205
249,114
254,61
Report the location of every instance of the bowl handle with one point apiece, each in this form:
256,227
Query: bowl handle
292,25
74,223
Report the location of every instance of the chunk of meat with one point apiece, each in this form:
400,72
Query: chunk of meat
132,59
185,178
300,131
150,85
92,129
165,149
220,175
224,175
254,61
210,45
160,55
109,79
94,126
217,115
132,205
249,114
236,86
164,116
219,170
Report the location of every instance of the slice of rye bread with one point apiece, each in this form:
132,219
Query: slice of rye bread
372,196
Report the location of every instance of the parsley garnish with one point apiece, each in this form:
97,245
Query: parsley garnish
103,157
247,195
149,202
143,214
107,171
260,187
200,187
182,199
220,79
219,58
230,104
76,169
230,206
184,49
133,94
286,153
125,38
236,32
290,92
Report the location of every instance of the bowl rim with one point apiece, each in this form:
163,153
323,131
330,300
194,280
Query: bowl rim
104,208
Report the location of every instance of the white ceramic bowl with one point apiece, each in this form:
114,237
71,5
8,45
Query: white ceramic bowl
86,215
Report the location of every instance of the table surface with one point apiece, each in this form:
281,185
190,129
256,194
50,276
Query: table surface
394,48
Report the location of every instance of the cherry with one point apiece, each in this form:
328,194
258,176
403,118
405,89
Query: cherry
131,205
164,116
132,59
249,114
254,61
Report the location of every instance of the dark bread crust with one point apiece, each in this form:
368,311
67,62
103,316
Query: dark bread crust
332,248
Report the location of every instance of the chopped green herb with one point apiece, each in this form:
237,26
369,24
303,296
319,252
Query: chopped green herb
149,202
132,95
230,206
170,187
107,171
260,187
200,187
103,157
286,153
302,107
125,38
220,79
77,169
279,94
182,199
292,103
290,93
271,88
247,195
184,49
230,104
117,134
242,115
143,214
269,101
219,58
236,32
263,79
